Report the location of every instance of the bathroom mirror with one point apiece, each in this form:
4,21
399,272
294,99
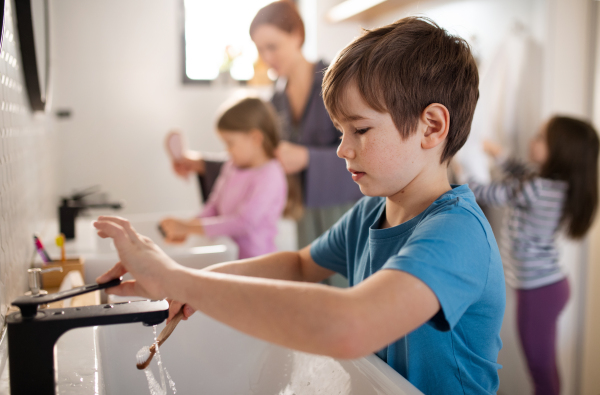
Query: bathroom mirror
1,20
32,25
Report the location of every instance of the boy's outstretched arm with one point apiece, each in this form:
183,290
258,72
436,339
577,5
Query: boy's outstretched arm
288,265
343,323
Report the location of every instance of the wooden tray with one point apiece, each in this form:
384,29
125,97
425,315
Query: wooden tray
54,279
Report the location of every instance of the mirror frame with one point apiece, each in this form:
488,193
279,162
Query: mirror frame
28,55
2,5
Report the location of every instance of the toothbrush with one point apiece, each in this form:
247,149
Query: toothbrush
40,249
60,241
144,356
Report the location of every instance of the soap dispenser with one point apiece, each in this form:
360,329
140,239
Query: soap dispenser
35,280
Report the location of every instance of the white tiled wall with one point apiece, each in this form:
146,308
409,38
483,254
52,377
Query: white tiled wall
27,198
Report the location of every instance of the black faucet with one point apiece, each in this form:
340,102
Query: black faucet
32,333
73,205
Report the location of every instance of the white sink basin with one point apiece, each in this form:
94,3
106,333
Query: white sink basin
100,255
202,355
205,357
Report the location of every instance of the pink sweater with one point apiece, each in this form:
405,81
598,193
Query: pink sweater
246,204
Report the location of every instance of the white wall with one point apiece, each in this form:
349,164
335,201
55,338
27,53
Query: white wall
27,183
118,68
590,379
568,90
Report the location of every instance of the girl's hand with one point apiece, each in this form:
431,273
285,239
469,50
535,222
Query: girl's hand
176,231
191,161
146,262
493,149
174,308
293,157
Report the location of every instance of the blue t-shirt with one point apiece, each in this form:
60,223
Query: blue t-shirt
451,248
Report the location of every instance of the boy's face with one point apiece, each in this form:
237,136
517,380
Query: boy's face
381,162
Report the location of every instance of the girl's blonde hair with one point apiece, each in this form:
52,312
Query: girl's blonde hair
253,113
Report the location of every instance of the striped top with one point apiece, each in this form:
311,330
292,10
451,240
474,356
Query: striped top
528,238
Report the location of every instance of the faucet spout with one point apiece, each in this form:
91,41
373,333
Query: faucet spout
72,206
31,339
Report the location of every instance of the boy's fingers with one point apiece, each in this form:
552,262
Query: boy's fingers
123,223
114,231
126,288
187,311
115,272
174,308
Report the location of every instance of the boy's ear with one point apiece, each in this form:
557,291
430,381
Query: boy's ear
435,119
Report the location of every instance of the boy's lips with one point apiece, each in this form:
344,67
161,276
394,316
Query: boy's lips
356,175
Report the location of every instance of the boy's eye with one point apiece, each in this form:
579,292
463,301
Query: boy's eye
362,131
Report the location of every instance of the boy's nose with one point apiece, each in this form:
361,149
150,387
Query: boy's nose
344,150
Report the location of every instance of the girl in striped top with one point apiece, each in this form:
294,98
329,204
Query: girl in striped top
561,195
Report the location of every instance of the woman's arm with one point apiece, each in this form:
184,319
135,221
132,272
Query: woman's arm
345,323
324,172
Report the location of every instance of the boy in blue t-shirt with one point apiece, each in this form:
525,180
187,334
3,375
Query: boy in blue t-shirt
427,288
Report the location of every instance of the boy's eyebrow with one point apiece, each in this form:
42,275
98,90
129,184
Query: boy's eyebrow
353,117
350,117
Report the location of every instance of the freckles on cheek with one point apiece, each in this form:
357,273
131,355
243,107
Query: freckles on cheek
377,153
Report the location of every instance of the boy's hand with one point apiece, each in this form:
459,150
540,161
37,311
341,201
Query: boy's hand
176,231
175,306
493,149
293,157
146,262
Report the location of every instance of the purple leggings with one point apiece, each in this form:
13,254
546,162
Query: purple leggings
537,315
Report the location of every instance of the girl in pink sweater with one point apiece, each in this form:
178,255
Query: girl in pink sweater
250,194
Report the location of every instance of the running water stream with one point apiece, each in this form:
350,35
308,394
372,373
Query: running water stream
153,386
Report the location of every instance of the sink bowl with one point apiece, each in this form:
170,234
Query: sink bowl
204,356
100,255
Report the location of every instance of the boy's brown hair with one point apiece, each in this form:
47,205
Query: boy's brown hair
402,68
